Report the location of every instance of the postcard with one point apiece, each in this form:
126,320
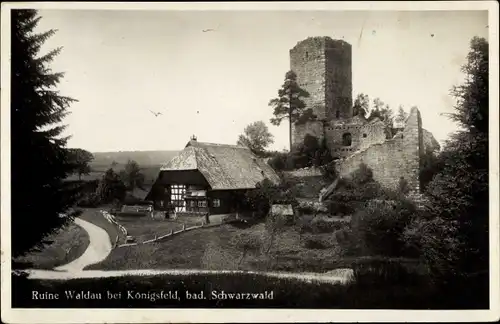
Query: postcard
249,162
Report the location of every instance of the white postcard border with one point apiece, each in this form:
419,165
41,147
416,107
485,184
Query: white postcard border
10,315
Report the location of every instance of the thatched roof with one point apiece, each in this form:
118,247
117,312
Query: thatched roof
223,166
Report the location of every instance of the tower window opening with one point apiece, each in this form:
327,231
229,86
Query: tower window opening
346,139
337,114
364,135
307,55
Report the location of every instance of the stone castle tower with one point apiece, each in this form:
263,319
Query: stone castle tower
324,69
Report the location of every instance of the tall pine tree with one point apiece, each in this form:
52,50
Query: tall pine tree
290,105
40,160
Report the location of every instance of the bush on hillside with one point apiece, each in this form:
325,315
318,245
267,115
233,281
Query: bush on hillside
403,186
378,228
312,152
266,194
318,243
278,161
247,242
91,200
329,171
324,225
436,241
362,175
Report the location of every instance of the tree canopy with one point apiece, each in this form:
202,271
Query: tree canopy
132,176
454,238
256,137
81,159
361,105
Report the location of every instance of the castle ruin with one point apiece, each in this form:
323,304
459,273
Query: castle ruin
324,69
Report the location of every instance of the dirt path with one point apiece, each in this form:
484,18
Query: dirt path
58,275
98,249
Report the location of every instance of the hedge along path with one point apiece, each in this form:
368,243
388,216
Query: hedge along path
98,249
110,218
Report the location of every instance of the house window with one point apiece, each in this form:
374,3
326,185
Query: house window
202,203
216,203
177,194
364,135
346,139
337,114
192,204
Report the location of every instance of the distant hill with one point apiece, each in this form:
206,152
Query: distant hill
145,159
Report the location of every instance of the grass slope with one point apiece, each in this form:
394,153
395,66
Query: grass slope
180,252
215,248
67,244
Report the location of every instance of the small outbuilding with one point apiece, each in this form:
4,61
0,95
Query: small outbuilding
285,212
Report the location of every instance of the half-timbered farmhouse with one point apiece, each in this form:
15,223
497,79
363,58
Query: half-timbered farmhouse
207,178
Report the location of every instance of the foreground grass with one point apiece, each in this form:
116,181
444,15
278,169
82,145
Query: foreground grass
67,244
93,215
286,293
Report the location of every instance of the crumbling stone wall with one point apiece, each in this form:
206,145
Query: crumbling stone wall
372,133
334,138
362,135
396,158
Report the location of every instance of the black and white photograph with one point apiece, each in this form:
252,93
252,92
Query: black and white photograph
249,162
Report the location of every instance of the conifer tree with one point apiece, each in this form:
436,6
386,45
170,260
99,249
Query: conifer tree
40,160
289,104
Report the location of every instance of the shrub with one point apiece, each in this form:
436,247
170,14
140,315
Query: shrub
315,243
403,186
436,241
321,225
338,207
278,161
319,242
380,225
266,193
311,152
362,175
388,272
90,200
306,209
329,171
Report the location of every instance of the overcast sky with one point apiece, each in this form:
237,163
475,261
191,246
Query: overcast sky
121,64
